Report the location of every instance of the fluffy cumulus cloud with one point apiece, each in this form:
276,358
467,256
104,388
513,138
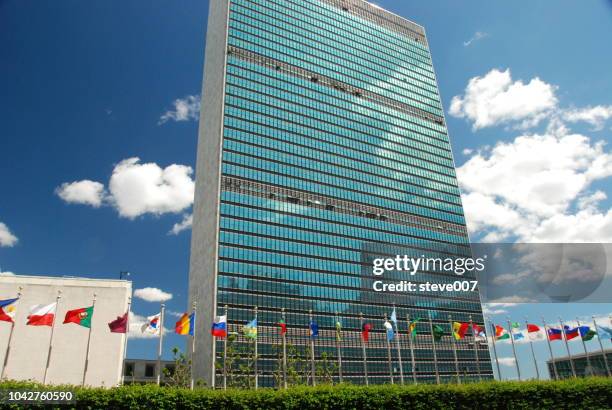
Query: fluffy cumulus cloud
536,188
84,192
185,109
496,99
596,116
152,295
183,225
136,189
6,273
7,238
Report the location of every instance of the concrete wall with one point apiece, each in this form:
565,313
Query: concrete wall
30,344
205,231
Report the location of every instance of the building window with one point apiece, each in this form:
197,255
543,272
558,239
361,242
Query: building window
150,370
128,369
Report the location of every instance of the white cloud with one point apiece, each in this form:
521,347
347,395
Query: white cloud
596,116
185,109
183,225
84,192
535,188
152,294
136,189
506,361
479,35
6,273
496,308
495,99
7,238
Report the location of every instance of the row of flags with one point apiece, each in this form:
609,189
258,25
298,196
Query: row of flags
44,315
534,332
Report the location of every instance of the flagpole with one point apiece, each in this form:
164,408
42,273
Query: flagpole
363,348
225,348
552,357
603,352
255,354
160,342
127,331
399,350
475,349
193,339
284,335
414,378
312,352
93,304
450,321
495,350
586,353
338,347
518,369
388,350
10,338
569,353
433,343
57,300
535,362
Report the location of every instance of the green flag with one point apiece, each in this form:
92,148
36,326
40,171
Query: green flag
412,328
589,335
438,332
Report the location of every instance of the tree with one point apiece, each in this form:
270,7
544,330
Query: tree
181,375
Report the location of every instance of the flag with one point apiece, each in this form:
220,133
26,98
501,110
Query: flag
185,325
283,326
459,330
7,309
412,328
313,329
438,332
605,332
554,334
119,325
338,331
478,332
500,332
517,334
365,331
586,333
570,333
80,316
219,326
42,315
393,317
250,329
389,329
534,332
151,325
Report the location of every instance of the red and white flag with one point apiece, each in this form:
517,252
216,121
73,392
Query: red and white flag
42,315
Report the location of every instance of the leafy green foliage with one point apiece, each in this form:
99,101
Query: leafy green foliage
592,393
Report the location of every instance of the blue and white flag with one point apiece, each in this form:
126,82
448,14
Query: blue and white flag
390,332
393,317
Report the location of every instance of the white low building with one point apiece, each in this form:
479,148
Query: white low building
29,346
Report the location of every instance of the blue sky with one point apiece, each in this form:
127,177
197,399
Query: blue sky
85,86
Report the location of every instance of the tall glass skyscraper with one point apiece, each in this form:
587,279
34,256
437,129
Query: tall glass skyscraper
322,142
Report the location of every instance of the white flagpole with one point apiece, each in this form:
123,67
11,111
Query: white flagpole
162,314
93,304
225,349
10,338
603,352
193,342
57,300
338,347
433,343
535,362
410,344
388,351
284,335
552,357
494,348
127,332
518,369
450,321
475,349
256,358
399,350
312,352
586,353
363,348
569,353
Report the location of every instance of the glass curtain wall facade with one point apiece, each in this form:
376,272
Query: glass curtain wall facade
322,135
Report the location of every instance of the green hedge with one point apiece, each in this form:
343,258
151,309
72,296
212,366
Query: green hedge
592,393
